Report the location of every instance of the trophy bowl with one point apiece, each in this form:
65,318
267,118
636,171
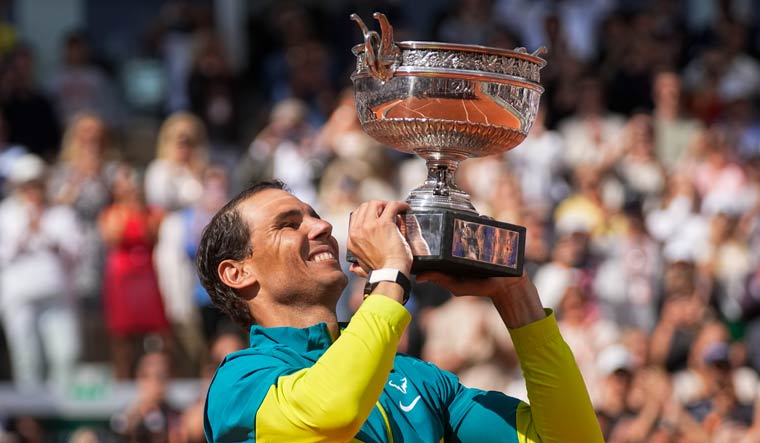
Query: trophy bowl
447,103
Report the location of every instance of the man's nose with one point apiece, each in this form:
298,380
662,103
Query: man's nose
319,228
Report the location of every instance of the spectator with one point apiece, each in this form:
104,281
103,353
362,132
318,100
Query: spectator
727,263
191,421
173,34
590,209
79,85
150,418
194,318
683,311
300,66
468,22
655,415
553,278
39,246
132,301
81,180
586,331
537,162
477,349
726,67
677,223
27,429
673,130
640,171
172,180
592,129
211,89
30,116
719,180
482,179
616,368
283,149
627,280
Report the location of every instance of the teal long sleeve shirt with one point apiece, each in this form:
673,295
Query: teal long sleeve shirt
302,385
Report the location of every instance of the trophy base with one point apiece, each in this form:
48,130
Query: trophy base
461,244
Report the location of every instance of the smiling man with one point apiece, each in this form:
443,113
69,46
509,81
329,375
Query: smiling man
270,263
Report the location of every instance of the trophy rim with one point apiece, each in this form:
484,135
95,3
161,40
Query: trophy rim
414,44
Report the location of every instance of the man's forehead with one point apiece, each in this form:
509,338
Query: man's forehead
269,203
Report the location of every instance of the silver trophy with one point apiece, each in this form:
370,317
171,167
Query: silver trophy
447,103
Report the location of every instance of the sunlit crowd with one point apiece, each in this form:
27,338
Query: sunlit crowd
639,186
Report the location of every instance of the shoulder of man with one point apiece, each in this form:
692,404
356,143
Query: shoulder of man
239,386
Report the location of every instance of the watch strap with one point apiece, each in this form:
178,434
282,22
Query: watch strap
390,275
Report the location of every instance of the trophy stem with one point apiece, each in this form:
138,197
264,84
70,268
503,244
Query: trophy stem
440,190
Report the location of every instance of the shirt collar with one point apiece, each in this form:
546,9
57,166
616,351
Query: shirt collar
315,337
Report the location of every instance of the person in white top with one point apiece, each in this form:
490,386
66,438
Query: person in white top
39,245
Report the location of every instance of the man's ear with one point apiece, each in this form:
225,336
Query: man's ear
237,274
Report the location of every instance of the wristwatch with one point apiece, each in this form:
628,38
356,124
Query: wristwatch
391,275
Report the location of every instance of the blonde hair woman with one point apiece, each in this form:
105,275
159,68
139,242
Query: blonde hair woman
172,180
81,180
81,175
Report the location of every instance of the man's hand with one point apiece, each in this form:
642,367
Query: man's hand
515,298
375,240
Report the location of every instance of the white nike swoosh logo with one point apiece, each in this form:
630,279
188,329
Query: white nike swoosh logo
410,406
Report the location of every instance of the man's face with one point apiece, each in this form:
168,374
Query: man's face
295,256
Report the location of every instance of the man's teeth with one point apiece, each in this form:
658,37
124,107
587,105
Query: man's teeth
322,256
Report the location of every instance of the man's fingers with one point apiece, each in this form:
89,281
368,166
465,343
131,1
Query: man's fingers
392,209
378,209
375,208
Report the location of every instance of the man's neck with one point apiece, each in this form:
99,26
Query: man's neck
298,317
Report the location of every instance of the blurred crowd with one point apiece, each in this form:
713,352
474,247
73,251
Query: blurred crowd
639,185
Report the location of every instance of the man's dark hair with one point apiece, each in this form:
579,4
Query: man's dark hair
227,237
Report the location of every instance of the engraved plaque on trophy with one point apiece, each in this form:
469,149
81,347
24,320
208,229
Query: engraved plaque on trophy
447,103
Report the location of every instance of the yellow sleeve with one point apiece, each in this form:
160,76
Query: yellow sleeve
560,409
332,399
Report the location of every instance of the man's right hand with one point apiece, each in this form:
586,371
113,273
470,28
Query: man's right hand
374,237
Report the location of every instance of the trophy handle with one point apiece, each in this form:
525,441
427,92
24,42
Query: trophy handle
382,61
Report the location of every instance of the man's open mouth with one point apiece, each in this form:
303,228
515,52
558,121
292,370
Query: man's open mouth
321,256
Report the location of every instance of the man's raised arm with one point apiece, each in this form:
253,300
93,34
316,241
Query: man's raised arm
560,409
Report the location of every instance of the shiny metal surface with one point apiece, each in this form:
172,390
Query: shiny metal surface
486,244
423,232
445,103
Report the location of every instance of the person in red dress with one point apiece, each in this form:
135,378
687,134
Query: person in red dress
132,301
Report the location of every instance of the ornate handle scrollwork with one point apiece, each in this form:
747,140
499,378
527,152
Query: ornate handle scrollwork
383,56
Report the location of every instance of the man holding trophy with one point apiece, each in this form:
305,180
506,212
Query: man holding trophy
271,263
